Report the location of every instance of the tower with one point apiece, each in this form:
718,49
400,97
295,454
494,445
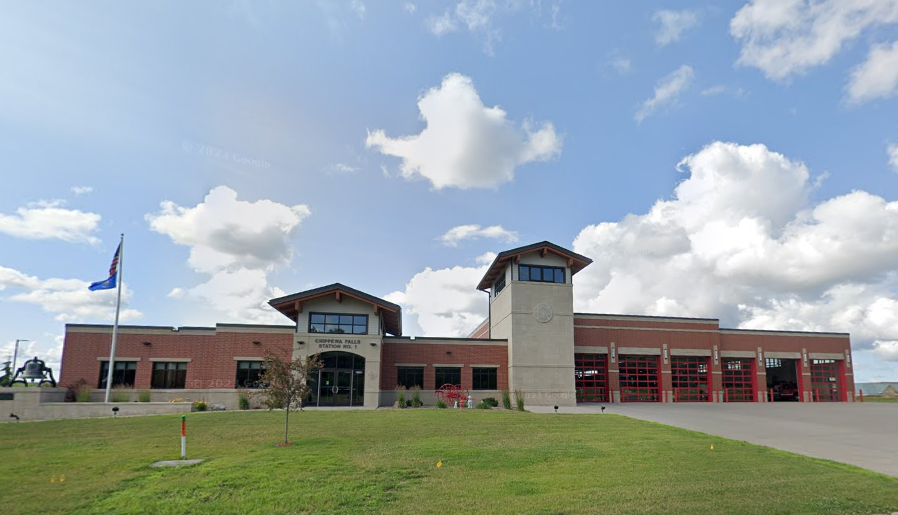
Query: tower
532,306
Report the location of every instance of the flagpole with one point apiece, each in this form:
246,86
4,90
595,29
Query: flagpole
118,304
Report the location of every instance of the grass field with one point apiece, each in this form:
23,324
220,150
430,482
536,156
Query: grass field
385,461
881,399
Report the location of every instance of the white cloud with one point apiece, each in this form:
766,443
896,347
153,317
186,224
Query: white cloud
338,168
886,351
465,232
466,144
446,301
892,149
672,25
237,243
620,65
783,38
740,241
69,299
440,25
358,8
82,190
667,91
713,90
410,7
45,220
877,77
483,17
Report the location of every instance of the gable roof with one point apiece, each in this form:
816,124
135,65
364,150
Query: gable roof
576,262
875,388
291,305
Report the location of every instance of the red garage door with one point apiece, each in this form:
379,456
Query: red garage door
591,377
739,379
639,378
689,378
826,380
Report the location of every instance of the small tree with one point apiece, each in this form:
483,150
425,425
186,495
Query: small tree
284,383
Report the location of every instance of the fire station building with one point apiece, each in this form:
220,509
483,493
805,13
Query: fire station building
532,341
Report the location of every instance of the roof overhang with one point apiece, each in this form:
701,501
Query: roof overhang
292,305
575,261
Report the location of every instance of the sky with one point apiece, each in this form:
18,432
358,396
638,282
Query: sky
733,160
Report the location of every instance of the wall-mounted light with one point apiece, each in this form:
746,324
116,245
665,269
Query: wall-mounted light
148,343
374,344
301,343
448,352
256,342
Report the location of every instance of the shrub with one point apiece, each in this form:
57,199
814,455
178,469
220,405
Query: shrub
416,396
177,399
483,405
442,404
400,395
491,402
200,406
519,399
506,399
120,393
243,400
71,392
144,396
82,393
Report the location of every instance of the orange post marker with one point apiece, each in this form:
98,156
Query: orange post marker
183,437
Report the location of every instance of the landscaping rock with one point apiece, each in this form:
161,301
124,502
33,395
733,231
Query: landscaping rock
176,463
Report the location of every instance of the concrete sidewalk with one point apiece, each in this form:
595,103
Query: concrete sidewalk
860,434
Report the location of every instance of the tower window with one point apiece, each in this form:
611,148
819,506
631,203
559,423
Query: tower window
541,274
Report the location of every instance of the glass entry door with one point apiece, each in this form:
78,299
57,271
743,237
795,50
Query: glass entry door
340,381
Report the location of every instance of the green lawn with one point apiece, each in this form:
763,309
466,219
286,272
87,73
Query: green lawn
880,399
384,461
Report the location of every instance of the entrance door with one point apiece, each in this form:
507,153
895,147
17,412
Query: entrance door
327,385
340,381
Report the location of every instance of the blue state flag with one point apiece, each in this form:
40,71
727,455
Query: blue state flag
110,282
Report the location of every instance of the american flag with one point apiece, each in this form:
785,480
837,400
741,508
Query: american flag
110,282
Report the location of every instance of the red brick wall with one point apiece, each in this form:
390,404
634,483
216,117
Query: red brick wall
431,354
212,354
482,331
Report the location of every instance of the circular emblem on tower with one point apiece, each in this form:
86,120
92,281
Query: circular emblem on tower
372,375
543,312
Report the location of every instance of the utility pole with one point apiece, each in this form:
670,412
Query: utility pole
15,355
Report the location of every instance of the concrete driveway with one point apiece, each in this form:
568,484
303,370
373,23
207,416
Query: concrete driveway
860,434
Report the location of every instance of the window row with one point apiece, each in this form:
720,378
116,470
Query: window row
173,375
541,274
337,323
482,378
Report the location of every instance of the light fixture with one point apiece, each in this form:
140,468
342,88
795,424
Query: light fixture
556,410
603,409
374,344
301,343
256,342
148,343
114,411
448,352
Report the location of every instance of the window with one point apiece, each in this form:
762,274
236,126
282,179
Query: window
169,375
500,284
410,377
122,374
826,379
541,274
485,379
249,373
773,363
447,376
336,323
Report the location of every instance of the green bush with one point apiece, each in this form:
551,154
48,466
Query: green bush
200,406
400,395
144,396
483,405
506,399
416,396
82,393
519,399
120,393
441,404
243,400
491,402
